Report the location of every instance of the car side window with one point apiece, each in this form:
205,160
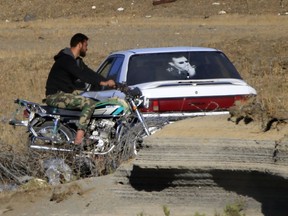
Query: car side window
111,68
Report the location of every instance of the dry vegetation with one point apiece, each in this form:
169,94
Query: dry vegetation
252,34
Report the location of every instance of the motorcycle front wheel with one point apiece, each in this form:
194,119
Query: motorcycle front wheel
132,139
48,139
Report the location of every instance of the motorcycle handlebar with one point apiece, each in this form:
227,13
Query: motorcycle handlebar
134,92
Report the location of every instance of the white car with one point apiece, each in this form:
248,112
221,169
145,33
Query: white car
178,81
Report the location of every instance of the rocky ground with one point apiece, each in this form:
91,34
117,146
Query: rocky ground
196,165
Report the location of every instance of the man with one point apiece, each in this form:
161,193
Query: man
181,68
61,85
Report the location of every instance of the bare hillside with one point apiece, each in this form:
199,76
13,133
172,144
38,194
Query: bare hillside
17,10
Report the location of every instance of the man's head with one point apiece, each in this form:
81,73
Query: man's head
182,64
80,41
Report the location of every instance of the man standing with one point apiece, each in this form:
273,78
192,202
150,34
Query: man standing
61,85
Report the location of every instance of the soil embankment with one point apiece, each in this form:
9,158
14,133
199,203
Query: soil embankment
183,168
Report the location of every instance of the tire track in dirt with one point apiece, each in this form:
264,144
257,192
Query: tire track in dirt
207,173
195,165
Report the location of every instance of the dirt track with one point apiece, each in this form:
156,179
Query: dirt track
199,172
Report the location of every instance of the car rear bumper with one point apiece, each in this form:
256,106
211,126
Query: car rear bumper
180,115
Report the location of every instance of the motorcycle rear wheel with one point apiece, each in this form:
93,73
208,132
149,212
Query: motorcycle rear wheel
47,139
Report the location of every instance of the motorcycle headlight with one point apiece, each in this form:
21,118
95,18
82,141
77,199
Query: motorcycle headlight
135,92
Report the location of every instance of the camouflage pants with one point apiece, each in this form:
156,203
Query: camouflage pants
74,101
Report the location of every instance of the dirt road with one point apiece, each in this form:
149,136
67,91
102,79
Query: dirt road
195,165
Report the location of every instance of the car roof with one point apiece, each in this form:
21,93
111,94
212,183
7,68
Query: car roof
164,50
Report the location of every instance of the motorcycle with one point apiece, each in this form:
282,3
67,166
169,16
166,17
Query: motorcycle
114,121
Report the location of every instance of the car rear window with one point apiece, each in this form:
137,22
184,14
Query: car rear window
178,66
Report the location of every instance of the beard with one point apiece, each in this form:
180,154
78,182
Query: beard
82,53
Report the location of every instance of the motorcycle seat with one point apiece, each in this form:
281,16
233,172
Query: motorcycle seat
61,111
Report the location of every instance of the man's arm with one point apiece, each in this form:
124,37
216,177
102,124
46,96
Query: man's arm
85,74
104,81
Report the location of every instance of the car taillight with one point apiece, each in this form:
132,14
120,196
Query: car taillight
155,105
152,107
26,113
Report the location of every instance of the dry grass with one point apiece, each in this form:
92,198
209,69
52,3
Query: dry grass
28,48
269,76
25,61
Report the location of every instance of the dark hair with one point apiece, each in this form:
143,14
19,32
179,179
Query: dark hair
78,38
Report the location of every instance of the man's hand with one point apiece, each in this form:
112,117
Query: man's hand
109,83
